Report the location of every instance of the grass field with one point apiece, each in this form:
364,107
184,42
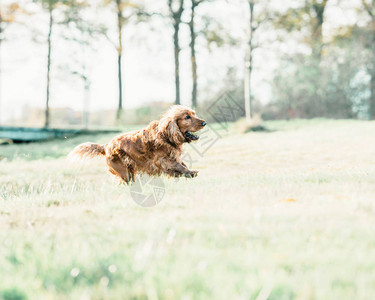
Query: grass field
288,214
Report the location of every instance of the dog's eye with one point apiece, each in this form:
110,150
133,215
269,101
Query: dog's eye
187,117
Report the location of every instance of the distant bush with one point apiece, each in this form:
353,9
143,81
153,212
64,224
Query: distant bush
13,294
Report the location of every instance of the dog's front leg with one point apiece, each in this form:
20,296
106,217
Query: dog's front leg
194,173
183,169
177,169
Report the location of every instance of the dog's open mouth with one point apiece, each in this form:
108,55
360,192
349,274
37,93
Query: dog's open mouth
191,136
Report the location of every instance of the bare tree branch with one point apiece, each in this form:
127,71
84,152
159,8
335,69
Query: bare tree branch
368,8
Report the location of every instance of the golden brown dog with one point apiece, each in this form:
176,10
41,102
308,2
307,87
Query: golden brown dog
153,150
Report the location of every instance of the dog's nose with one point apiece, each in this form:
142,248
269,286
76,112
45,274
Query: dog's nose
204,123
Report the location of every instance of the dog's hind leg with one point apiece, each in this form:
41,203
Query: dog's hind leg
121,170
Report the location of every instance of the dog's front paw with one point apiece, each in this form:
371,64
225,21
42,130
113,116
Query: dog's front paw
191,174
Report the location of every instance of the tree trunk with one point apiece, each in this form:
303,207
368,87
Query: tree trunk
86,103
176,16
317,30
249,65
47,115
119,109
177,50
372,96
119,59
371,102
1,34
194,67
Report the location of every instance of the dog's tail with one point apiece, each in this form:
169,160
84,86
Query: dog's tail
87,150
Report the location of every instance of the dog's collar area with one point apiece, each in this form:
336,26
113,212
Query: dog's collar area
190,136
171,143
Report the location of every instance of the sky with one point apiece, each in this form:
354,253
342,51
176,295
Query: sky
148,59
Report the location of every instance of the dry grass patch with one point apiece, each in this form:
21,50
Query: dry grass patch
231,233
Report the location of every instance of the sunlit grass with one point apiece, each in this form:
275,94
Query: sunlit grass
71,231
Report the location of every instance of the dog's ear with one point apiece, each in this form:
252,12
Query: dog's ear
168,129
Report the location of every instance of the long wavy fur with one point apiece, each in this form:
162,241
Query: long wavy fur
153,150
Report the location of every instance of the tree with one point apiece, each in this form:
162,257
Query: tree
337,87
307,75
193,57
120,24
50,6
176,8
369,8
8,14
174,15
254,23
125,11
193,54
81,32
249,63
310,15
49,43
333,90
317,19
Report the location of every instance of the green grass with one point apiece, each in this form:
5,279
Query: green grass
288,214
